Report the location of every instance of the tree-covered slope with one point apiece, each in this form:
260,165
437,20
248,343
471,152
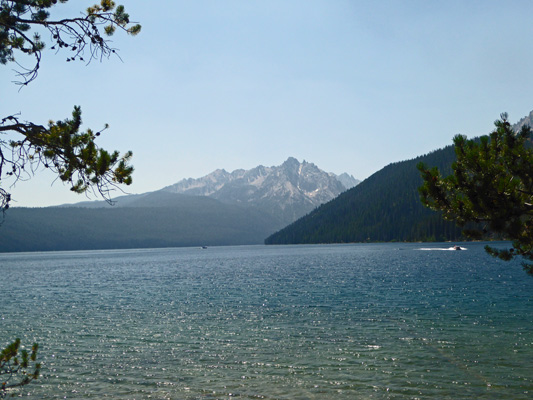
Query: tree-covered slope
174,221
384,207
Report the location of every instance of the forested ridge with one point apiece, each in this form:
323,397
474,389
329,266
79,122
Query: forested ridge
183,221
385,207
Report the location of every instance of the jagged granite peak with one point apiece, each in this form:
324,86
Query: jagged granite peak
527,120
348,180
292,189
291,162
204,186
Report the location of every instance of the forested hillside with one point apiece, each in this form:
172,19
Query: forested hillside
385,207
175,221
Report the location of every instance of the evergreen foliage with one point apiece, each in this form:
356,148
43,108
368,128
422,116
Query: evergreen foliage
383,208
60,146
491,185
26,147
81,36
17,369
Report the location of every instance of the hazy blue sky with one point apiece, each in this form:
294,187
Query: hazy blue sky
348,85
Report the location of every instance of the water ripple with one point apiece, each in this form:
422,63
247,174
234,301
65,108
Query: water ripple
294,322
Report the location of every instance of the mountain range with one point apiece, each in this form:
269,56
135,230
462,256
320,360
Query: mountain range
222,208
291,203
285,192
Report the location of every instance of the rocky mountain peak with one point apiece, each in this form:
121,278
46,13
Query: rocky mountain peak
292,189
290,163
348,180
527,120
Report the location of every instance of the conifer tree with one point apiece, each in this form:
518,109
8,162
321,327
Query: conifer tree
492,186
17,368
25,147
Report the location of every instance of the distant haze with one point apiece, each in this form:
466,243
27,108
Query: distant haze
284,193
222,208
350,85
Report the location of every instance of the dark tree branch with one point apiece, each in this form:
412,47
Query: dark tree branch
74,34
491,182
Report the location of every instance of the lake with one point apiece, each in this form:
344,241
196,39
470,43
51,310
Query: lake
360,321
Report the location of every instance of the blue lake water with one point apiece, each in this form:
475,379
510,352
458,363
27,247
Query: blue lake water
363,321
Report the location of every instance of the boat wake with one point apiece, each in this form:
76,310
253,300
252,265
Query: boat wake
453,248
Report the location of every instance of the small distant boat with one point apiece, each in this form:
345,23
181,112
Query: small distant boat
456,247
204,247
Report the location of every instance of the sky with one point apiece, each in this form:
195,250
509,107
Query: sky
350,86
